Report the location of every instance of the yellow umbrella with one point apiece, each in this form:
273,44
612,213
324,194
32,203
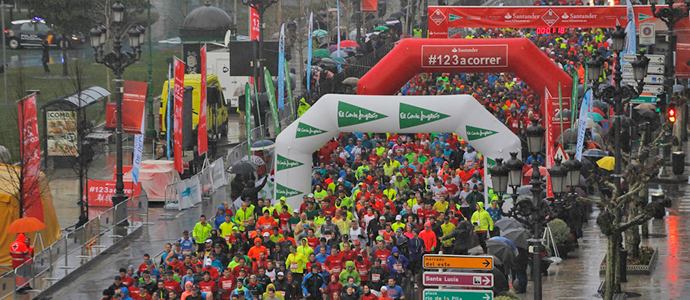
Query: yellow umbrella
606,163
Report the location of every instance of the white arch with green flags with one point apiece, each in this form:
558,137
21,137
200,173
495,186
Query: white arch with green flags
335,113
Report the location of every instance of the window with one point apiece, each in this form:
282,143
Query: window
42,27
28,27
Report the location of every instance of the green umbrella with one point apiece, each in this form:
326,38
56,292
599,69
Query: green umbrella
319,33
381,28
323,53
596,117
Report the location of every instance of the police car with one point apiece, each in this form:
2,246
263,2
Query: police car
30,33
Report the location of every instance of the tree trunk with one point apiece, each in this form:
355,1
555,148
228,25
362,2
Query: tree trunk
632,235
612,284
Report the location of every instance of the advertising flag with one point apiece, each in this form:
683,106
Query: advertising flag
369,6
179,90
30,153
288,87
270,92
134,106
136,161
167,115
202,141
338,12
254,24
281,68
310,49
582,124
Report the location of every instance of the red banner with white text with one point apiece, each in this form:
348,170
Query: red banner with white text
100,192
254,24
202,140
555,19
178,92
30,153
134,106
369,6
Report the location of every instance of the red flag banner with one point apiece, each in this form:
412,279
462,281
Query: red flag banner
369,6
179,90
254,23
31,159
100,192
134,107
201,129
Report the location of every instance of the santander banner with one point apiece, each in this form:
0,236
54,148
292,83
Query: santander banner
555,18
464,56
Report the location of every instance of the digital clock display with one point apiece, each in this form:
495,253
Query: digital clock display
550,30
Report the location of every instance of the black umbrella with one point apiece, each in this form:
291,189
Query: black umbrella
519,236
648,114
375,22
601,105
501,250
243,167
595,153
398,15
507,223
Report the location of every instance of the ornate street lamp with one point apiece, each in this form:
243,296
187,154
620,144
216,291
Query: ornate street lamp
574,166
558,174
117,61
499,177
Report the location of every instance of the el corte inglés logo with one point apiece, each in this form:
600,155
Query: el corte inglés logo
286,163
411,116
349,114
475,133
304,130
282,191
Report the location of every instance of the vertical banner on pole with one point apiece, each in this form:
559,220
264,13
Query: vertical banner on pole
338,12
179,90
254,31
288,88
281,68
309,52
136,161
248,115
167,114
202,140
582,124
270,92
30,159
548,117
560,110
574,98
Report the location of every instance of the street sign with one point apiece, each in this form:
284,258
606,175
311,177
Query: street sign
653,58
651,69
644,99
468,262
458,295
485,280
560,153
653,89
651,79
647,33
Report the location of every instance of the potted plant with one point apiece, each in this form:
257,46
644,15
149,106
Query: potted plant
562,237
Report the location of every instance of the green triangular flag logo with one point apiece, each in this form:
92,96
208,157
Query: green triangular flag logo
282,191
475,133
454,17
285,163
489,163
304,130
411,116
349,115
642,17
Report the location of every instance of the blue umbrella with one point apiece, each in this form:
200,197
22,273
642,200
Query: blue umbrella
507,242
262,145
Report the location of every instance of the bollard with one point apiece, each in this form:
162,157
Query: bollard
660,212
678,162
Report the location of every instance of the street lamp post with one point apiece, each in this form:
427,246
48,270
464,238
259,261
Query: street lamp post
117,61
260,6
617,94
670,16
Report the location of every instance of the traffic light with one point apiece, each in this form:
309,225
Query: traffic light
671,111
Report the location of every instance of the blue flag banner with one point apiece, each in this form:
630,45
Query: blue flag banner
138,150
309,51
582,124
281,68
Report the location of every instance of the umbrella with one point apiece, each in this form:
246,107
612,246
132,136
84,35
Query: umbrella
319,33
381,28
25,224
348,43
569,135
519,236
376,22
341,60
595,153
392,22
507,242
342,54
351,81
600,105
595,117
647,106
648,114
329,63
606,163
590,123
501,250
370,36
599,111
322,53
542,171
243,167
397,15
262,145
507,223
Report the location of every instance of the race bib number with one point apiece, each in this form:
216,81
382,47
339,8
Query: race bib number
375,277
397,267
362,272
282,293
328,237
187,252
381,232
293,226
293,266
227,285
266,226
245,223
336,270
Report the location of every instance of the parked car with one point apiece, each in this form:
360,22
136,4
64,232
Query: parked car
30,33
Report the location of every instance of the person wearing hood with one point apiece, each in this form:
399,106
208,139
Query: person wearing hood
352,289
304,248
296,262
313,284
18,251
280,283
401,241
125,293
276,295
350,271
328,225
396,264
251,192
294,288
237,185
201,231
254,252
241,292
219,217
378,277
482,224
461,236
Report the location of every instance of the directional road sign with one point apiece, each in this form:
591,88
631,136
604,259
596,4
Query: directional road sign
650,79
653,89
485,280
468,262
651,69
653,59
644,99
458,295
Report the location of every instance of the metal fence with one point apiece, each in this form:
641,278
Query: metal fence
206,182
77,247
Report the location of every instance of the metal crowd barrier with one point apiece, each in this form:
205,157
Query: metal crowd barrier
76,248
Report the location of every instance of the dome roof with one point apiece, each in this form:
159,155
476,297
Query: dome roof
206,23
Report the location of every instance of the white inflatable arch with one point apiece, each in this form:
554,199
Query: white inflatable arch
334,114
